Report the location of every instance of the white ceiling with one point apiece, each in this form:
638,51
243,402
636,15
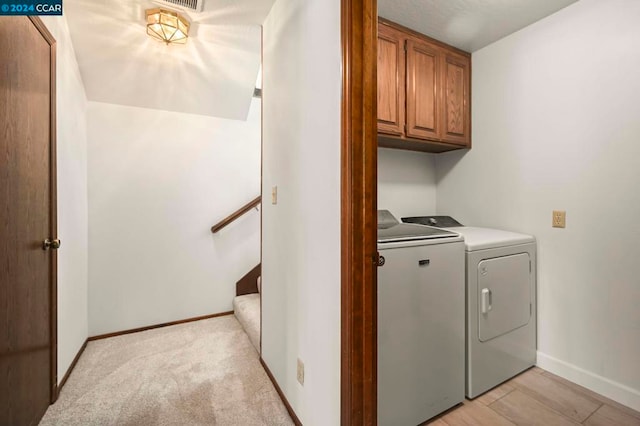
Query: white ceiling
213,74
468,24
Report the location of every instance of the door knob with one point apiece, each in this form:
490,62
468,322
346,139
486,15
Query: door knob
51,244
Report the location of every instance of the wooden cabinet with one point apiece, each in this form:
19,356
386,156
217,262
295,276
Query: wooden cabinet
423,92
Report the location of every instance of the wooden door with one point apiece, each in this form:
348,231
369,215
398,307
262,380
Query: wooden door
391,80
27,217
456,90
422,90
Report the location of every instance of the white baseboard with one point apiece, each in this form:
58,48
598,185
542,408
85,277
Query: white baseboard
606,387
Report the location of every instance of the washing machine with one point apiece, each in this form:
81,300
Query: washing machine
420,325
500,302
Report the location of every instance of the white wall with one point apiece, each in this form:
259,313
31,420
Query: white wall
158,181
406,182
555,126
72,197
301,234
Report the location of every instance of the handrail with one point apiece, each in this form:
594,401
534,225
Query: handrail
233,216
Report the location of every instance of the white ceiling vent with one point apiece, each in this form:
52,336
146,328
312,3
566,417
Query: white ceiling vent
187,5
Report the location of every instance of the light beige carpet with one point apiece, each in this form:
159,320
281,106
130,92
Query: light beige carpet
199,373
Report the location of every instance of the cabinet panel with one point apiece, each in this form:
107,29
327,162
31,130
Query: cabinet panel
422,84
391,70
456,92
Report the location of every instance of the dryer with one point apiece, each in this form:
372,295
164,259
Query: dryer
500,302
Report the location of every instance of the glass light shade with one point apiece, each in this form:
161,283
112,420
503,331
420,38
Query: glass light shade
167,26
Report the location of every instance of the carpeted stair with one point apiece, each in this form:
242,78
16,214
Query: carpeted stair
247,310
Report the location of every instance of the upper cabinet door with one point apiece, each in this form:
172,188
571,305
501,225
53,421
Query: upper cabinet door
422,90
391,69
456,117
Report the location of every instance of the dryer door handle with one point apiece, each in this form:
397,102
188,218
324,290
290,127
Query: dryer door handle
485,300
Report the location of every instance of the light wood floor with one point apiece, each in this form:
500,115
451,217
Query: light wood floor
537,397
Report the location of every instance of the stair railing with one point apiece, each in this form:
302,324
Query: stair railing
235,215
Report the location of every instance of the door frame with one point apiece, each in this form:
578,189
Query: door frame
53,213
359,149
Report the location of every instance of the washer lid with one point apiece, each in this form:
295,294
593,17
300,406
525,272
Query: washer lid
391,231
405,232
438,221
486,238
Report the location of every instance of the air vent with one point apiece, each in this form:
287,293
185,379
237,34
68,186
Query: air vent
188,5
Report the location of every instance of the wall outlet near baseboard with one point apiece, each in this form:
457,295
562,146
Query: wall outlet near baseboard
559,219
300,372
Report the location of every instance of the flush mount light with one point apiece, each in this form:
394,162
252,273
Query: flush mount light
167,26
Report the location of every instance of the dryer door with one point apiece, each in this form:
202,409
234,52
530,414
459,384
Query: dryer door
504,295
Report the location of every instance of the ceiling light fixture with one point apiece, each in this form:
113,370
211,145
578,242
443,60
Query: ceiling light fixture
167,26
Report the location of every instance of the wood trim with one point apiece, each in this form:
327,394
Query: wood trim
233,216
422,36
40,26
248,284
292,413
469,138
151,327
358,390
53,213
72,366
261,162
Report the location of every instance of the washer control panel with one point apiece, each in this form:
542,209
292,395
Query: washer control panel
438,221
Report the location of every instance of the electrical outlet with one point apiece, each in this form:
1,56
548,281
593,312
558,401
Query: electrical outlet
274,195
300,372
559,219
